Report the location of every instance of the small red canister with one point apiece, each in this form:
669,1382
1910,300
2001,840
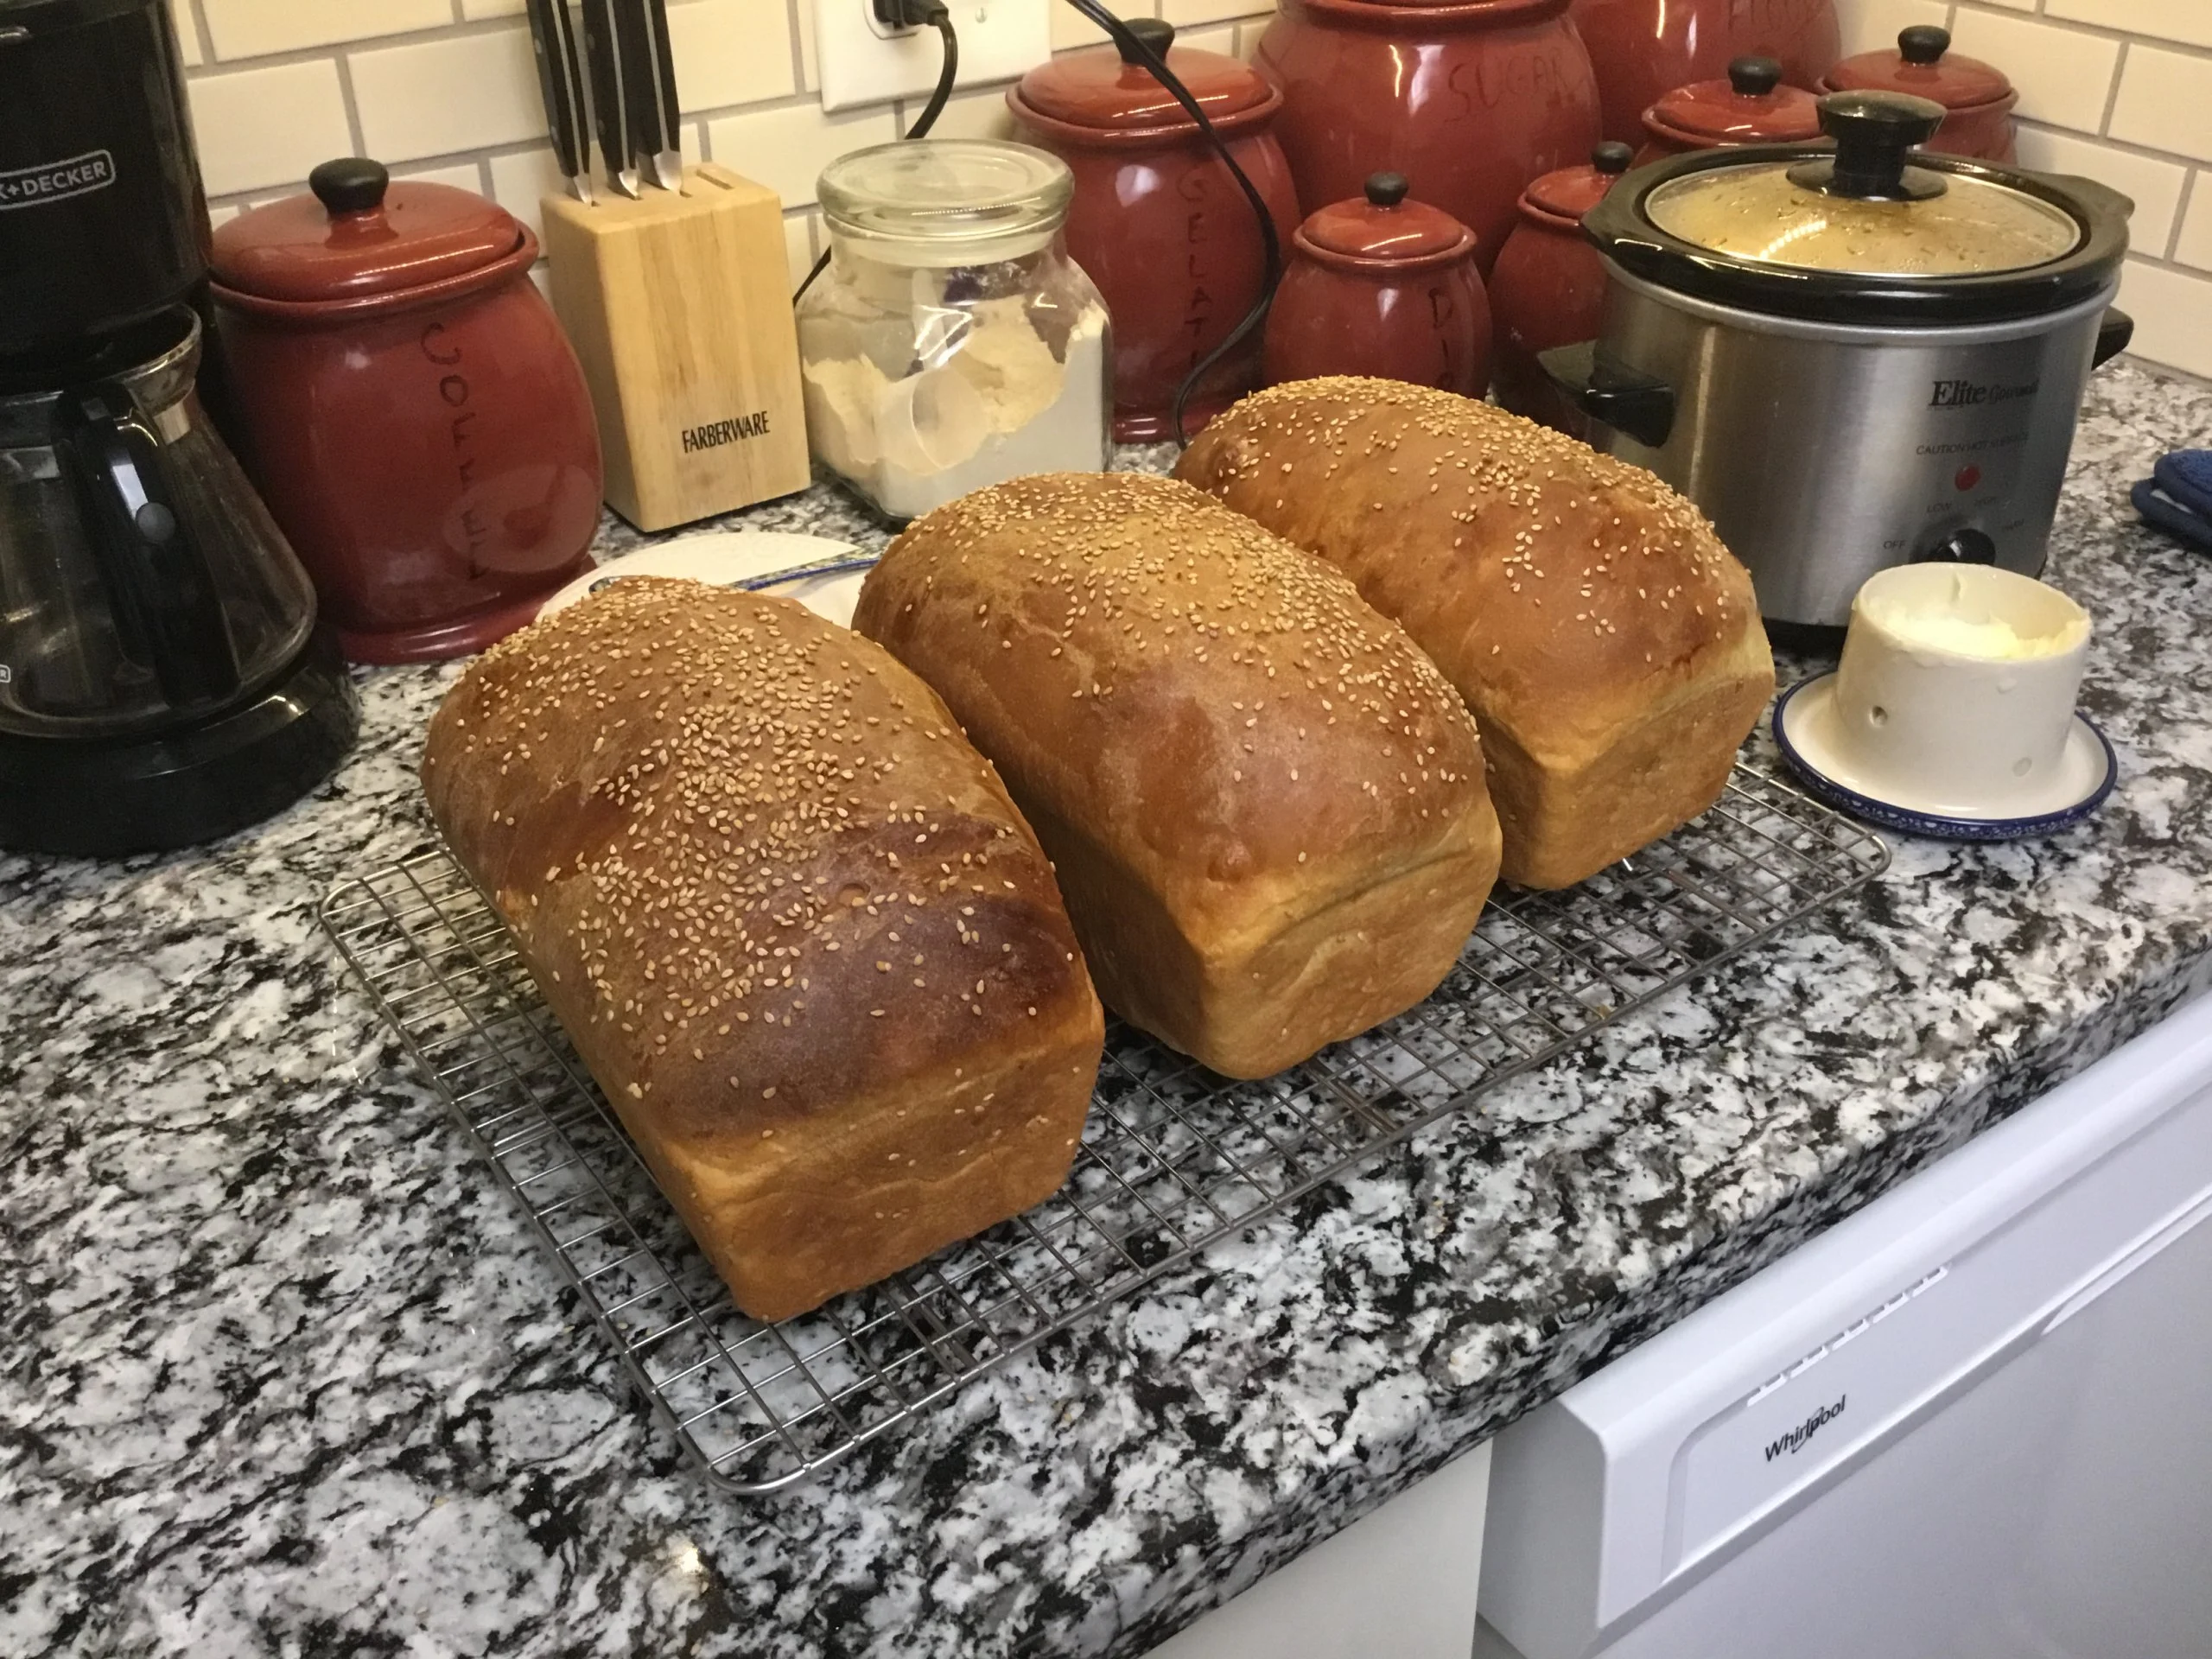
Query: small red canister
1385,286
1979,97
1158,223
1643,49
1752,106
409,407
1549,286
1471,99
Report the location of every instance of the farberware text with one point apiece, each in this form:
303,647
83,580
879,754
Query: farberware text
754,425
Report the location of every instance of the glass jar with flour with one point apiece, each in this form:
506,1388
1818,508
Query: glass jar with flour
952,343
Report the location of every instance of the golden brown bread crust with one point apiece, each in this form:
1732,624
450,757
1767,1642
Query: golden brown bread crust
790,918
1265,805
1609,645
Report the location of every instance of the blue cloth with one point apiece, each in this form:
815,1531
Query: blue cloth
2186,476
2169,514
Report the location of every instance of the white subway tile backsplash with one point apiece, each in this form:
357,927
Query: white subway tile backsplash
461,92
188,33
730,52
786,149
256,28
2189,21
2194,245
2064,77
1071,28
1873,24
2172,310
521,181
2155,186
2165,102
798,246
1221,39
1193,12
472,9
269,126
980,114
462,176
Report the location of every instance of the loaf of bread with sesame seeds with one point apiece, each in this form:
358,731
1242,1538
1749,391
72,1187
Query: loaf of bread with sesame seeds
790,920
1266,807
1608,643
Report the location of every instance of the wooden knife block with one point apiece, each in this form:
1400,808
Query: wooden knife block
680,309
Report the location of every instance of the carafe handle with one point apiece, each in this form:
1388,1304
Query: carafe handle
167,614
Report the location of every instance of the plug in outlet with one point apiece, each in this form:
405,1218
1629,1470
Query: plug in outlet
866,61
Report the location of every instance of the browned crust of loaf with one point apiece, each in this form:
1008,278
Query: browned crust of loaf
778,901
1574,600
1215,739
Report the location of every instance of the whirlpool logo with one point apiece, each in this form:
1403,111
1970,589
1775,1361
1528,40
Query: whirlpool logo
1794,1439
26,187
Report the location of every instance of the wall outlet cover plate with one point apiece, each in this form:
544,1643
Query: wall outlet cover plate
864,61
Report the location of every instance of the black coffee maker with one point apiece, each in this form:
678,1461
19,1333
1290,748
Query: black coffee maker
162,677
161,680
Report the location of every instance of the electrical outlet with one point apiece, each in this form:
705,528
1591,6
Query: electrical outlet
866,61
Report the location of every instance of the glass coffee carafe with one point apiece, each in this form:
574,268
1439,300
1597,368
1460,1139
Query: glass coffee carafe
143,584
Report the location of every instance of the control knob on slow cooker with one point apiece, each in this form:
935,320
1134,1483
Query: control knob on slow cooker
1967,546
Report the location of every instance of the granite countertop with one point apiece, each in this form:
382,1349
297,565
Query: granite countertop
284,1373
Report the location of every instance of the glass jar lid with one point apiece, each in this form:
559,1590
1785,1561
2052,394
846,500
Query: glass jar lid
1867,212
947,201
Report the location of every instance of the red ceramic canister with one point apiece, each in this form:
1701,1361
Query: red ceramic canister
1471,99
1158,223
410,409
1643,49
1382,285
1752,106
1549,287
1979,97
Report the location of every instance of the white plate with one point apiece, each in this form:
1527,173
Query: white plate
1804,718
742,558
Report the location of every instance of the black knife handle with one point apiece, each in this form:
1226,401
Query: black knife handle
639,89
668,106
610,103
549,35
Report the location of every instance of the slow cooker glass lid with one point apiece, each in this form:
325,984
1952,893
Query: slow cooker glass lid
1759,212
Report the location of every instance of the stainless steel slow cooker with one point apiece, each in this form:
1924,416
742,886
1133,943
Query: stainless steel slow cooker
1852,356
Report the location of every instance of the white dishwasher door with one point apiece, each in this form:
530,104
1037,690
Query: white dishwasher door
1973,1421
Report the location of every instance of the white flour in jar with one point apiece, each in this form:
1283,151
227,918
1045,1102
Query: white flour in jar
998,406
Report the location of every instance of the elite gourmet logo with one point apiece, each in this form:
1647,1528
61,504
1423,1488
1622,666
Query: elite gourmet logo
1968,394
1805,1431
26,187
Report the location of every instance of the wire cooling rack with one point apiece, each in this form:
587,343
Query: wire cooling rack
1173,1157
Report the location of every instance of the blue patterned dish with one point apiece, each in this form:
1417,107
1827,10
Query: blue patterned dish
1905,821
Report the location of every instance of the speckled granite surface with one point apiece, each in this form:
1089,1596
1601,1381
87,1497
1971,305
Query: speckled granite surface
281,1373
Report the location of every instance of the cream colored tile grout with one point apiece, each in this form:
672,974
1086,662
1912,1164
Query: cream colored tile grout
2181,218
353,107
2077,26
2112,92
205,36
367,43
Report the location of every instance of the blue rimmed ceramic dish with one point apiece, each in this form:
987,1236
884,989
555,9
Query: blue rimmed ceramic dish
2089,753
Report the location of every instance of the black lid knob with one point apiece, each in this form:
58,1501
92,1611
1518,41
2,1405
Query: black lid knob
351,184
1923,43
1387,189
1874,132
1611,157
1156,32
1754,77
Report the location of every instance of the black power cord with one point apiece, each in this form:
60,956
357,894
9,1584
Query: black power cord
1136,49
902,14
